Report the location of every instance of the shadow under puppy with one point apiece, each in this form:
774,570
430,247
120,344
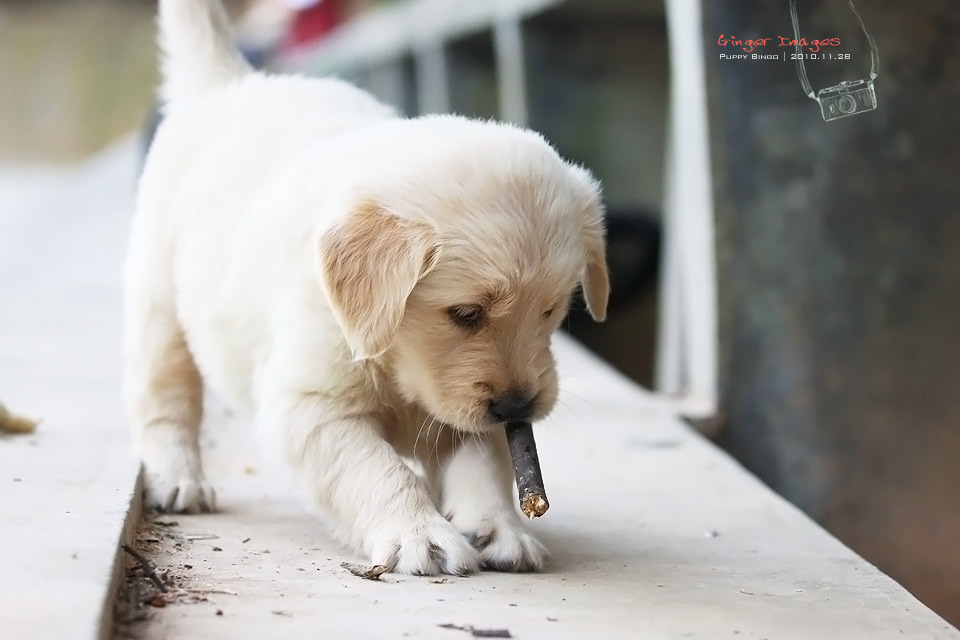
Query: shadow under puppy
370,287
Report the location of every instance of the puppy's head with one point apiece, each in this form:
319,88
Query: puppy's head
456,288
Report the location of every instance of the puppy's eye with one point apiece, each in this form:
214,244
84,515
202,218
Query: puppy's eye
549,312
468,316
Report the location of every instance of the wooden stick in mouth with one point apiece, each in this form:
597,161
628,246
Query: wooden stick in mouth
526,469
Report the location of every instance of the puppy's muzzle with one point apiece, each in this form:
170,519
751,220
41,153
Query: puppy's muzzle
511,406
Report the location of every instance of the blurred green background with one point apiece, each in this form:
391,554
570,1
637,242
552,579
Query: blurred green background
74,76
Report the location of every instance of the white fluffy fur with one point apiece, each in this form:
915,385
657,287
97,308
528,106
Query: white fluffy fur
299,248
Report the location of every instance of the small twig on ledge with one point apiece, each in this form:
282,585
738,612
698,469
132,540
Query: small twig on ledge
478,633
146,567
368,573
202,592
12,423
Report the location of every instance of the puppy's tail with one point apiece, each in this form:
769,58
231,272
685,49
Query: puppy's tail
197,50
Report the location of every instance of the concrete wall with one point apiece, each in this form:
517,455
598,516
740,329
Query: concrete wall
839,280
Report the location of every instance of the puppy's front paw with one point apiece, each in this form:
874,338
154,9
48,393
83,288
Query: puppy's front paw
503,543
422,547
183,494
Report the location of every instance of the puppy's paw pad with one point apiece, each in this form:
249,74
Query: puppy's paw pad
184,495
425,548
521,552
480,538
506,546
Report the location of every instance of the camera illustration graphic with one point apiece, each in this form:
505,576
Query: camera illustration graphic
848,98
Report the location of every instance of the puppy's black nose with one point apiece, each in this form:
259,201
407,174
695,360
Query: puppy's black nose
510,407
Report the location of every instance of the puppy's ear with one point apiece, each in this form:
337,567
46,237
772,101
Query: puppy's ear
594,280
369,263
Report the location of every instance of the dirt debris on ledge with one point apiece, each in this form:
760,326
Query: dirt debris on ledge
154,578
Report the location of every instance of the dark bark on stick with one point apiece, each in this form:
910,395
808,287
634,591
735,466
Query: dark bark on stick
526,468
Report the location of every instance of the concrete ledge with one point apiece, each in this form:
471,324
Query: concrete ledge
66,490
655,532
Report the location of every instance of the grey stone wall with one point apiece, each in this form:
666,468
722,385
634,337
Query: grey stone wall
839,276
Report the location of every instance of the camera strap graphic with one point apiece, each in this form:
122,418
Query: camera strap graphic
801,69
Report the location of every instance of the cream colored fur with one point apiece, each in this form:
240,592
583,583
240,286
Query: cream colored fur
365,285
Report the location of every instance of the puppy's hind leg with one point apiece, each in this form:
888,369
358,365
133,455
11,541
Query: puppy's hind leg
164,394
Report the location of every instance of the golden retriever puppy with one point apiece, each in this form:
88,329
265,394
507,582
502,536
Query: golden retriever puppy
371,288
